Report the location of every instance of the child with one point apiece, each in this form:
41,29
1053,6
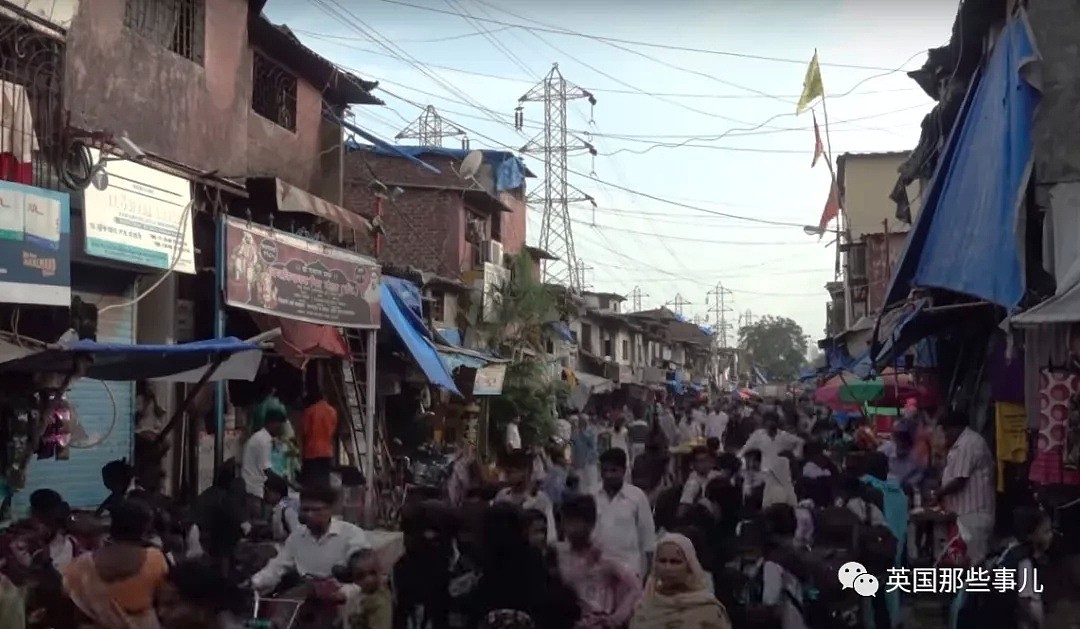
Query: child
606,590
285,516
524,493
368,598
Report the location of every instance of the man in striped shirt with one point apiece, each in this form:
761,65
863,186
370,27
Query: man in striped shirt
967,484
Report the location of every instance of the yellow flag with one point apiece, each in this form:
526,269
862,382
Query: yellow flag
812,87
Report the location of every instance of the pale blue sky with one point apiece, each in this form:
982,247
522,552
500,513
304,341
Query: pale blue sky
440,57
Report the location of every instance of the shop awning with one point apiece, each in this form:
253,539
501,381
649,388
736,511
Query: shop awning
1063,307
415,336
292,199
966,237
183,362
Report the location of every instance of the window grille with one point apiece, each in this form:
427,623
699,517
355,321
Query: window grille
31,102
273,92
177,25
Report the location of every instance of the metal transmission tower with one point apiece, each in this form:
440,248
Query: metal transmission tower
635,299
430,130
678,303
554,143
719,310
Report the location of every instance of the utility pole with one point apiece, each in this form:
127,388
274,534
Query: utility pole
556,195
635,299
678,304
429,129
719,310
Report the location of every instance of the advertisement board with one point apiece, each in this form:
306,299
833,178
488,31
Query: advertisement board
278,273
139,215
35,246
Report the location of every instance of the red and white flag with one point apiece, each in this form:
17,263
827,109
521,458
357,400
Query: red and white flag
819,147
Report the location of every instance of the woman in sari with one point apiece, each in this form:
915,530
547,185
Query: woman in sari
114,587
677,594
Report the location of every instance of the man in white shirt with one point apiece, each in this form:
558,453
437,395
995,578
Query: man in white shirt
967,484
625,530
771,441
513,434
525,493
316,548
716,424
258,458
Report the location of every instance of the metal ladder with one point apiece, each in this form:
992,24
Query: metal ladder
355,395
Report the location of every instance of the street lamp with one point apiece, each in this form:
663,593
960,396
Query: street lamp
813,230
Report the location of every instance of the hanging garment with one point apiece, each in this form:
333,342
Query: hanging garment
1057,449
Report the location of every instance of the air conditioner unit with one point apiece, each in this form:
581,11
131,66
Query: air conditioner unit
493,251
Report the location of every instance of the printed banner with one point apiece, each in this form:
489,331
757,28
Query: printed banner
281,274
489,380
35,246
139,215
1010,436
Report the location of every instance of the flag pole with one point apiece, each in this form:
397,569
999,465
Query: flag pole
841,215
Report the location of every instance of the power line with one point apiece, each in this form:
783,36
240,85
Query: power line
400,40
692,239
630,137
626,189
609,90
645,44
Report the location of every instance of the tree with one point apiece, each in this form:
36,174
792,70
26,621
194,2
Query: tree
514,329
777,346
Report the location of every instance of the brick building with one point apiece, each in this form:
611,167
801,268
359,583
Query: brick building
438,222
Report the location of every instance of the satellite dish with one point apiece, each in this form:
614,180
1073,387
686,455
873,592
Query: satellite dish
470,165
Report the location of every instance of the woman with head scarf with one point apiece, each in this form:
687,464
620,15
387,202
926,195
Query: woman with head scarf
677,593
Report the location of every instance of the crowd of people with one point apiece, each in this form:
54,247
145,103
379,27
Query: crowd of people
708,516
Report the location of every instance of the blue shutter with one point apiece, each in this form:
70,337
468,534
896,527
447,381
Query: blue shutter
100,411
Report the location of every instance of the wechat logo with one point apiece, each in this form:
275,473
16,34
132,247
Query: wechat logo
853,575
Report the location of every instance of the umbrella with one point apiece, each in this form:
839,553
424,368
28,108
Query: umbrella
847,391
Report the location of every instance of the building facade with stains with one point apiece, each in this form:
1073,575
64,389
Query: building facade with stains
184,111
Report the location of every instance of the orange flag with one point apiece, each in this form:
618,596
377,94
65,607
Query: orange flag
832,207
819,147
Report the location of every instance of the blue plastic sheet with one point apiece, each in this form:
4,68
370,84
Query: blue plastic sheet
509,170
119,362
966,236
415,336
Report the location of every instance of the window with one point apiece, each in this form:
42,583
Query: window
625,351
609,348
586,337
177,25
437,310
273,92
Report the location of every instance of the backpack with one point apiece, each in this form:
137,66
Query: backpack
995,607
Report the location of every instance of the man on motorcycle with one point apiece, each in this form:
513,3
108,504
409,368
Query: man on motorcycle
313,550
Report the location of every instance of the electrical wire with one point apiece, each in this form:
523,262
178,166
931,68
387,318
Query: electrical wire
630,137
633,42
177,253
608,90
626,189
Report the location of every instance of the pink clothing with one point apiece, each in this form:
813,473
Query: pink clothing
608,591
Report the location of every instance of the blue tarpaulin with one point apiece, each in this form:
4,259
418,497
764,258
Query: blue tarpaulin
119,362
508,169
562,330
408,293
413,333
966,237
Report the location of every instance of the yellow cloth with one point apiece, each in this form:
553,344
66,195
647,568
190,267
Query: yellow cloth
1010,423
812,88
